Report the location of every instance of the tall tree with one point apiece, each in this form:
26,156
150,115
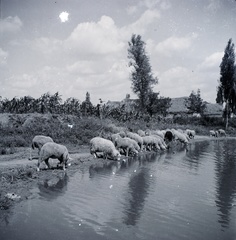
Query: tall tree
141,75
87,106
226,93
194,103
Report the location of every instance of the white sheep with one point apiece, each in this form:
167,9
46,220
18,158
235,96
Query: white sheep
37,142
135,137
150,142
160,141
141,133
222,132
114,136
53,150
180,136
107,147
155,132
213,133
190,133
127,145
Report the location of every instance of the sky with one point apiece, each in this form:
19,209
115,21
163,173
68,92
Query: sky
78,46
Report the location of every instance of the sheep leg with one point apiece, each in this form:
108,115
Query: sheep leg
47,163
127,152
30,158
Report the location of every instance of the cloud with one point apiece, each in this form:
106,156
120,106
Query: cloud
140,26
174,44
95,38
211,62
10,25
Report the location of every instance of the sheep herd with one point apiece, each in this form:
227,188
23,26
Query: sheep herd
217,133
115,145
131,143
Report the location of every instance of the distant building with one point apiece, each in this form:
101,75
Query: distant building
177,107
213,110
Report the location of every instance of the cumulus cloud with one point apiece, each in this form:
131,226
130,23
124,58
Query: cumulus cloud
211,62
95,38
139,26
174,44
10,24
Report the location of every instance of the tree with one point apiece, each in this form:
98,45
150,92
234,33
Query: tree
194,103
141,75
71,106
158,104
87,106
226,92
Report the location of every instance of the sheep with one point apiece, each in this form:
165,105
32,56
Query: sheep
107,147
155,132
141,133
151,141
53,150
127,144
160,141
169,136
114,136
135,137
221,132
213,133
190,133
180,136
37,142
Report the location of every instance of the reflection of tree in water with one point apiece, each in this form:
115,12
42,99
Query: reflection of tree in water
138,189
54,187
225,179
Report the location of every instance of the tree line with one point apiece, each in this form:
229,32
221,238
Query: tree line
47,103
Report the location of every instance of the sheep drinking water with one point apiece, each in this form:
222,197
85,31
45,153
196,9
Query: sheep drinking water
107,147
53,150
37,142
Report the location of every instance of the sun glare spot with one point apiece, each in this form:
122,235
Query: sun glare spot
64,16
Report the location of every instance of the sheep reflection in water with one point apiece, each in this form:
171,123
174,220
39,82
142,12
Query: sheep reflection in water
54,187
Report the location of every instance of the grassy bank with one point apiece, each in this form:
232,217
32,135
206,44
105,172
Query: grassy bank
18,130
